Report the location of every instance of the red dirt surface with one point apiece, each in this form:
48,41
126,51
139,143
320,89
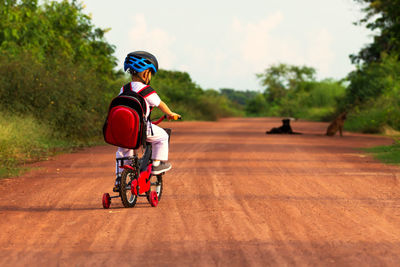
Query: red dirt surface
235,197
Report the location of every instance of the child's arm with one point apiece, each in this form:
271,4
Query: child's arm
164,108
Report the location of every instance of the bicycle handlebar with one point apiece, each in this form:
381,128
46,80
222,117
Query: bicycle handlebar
164,117
175,118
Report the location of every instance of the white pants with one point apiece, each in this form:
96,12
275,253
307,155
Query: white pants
158,140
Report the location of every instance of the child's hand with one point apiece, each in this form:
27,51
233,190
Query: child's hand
173,116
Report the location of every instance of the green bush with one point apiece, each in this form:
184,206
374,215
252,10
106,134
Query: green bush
366,121
372,80
22,139
55,66
374,114
374,95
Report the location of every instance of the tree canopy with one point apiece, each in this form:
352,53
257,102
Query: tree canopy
55,65
279,78
373,94
292,90
383,18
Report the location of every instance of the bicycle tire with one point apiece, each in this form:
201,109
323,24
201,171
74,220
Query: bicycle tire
128,199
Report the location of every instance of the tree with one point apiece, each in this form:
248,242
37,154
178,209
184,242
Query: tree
55,65
278,79
376,62
373,93
383,17
239,97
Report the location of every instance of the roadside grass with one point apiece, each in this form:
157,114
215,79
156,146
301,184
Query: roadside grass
386,154
24,140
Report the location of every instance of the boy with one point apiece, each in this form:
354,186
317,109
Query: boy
142,65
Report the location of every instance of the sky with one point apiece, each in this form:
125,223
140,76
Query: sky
224,44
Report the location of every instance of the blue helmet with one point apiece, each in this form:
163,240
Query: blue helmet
139,61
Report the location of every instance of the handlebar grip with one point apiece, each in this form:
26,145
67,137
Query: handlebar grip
176,117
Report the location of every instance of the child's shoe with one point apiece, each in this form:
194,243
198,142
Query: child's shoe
162,167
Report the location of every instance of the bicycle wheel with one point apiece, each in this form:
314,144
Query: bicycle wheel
128,199
156,185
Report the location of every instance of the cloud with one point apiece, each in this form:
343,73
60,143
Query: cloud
320,52
154,40
249,47
244,49
257,45
255,38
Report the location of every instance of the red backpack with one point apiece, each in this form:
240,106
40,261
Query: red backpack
126,125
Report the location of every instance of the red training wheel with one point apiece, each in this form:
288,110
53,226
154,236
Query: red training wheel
106,200
153,198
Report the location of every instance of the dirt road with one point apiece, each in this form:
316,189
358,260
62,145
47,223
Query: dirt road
235,197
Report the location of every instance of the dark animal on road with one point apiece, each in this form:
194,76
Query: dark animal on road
284,129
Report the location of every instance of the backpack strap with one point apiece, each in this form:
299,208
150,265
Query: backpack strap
127,88
146,91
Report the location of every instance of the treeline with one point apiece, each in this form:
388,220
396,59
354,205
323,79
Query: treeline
293,91
55,66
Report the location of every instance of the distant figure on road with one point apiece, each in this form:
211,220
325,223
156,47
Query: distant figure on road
284,129
336,125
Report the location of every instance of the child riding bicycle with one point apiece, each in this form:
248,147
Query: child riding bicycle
142,66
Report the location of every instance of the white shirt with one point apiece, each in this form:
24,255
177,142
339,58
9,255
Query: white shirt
152,100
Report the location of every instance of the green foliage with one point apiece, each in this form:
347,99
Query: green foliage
374,96
55,30
382,17
373,93
279,78
56,66
371,116
185,97
374,79
257,106
240,98
293,91
365,121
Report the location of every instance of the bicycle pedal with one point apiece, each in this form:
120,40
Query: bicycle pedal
116,189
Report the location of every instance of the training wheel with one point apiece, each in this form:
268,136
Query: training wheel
106,200
153,198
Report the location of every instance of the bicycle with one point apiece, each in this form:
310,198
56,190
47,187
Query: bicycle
136,178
